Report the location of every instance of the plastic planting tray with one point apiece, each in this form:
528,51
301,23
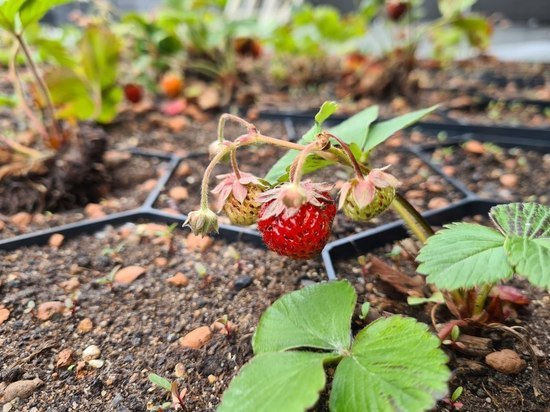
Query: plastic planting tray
344,248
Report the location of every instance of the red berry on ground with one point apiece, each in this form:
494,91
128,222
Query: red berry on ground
171,84
133,92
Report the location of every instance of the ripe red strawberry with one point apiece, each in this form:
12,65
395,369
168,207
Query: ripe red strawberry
238,197
297,221
395,9
362,200
133,92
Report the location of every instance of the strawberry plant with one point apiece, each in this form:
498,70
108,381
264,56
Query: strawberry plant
467,261
295,215
64,167
392,364
394,38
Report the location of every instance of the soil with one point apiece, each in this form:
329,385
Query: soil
484,388
136,327
130,180
500,112
510,174
70,176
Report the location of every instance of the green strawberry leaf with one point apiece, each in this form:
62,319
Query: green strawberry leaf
356,127
451,8
382,131
395,365
160,381
327,109
100,50
463,255
530,220
8,100
437,297
8,13
355,130
279,170
531,258
33,10
274,382
69,93
318,316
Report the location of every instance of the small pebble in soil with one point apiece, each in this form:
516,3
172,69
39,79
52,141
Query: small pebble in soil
91,352
506,361
242,282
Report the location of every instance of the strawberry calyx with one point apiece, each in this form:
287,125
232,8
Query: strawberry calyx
287,199
363,190
202,221
238,186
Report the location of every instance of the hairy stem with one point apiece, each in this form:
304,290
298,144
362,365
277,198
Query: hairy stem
37,124
481,298
41,84
412,218
351,157
296,169
206,177
227,116
234,164
20,149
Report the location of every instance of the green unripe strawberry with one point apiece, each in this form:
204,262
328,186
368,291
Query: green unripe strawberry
382,200
365,197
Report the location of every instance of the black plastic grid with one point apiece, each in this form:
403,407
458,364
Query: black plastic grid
344,248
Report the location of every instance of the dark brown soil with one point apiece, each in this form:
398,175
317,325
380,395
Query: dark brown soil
128,184
70,177
499,173
137,327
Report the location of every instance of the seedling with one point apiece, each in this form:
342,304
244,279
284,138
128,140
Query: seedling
110,278
467,261
452,401
172,389
392,364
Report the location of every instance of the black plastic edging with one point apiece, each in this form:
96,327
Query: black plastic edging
361,243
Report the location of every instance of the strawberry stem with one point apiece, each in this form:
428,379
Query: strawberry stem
296,169
353,161
41,86
21,98
234,164
252,130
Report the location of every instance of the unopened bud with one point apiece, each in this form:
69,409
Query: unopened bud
202,222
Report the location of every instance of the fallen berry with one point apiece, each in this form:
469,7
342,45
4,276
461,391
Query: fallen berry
133,92
171,84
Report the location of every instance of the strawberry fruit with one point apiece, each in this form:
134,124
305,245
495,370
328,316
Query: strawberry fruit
381,201
133,92
395,9
171,84
297,222
362,199
237,196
